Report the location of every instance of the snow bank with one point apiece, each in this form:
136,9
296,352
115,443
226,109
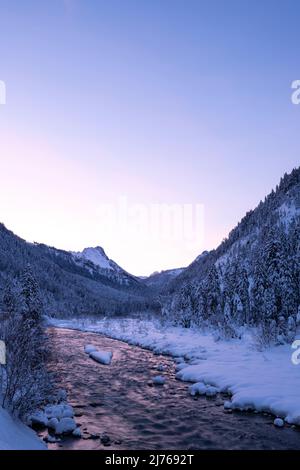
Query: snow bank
264,381
16,436
59,411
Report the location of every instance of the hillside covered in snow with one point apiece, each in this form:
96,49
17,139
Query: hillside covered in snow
82,284
252,278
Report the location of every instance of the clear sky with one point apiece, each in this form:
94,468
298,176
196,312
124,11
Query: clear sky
157,101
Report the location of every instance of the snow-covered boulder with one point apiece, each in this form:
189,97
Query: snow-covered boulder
52,423
104,357
278,422
89,348
227,405
159,380
51,439
68,411
76,432
39,418
211,391
198,388
65,426
59,411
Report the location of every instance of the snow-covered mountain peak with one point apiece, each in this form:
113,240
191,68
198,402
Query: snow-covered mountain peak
97,262
98,257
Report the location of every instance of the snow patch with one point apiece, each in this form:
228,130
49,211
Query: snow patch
14,435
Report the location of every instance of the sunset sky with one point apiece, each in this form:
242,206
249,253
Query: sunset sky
156,101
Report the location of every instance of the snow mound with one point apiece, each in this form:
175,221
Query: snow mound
279,422
65,426
200,388
159,380
52,423
76,432
211,391
51,439
39,418
89,348
59,411
14,435
59,418
104,357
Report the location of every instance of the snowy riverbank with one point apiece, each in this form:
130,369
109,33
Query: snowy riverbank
16,436
263,381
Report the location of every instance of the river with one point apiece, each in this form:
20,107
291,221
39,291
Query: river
121,402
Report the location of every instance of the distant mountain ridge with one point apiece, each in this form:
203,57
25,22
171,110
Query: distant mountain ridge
160,279
70,284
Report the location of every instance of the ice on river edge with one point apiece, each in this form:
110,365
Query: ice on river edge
263,381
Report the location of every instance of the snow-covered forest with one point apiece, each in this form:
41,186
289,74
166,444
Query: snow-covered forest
252,279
